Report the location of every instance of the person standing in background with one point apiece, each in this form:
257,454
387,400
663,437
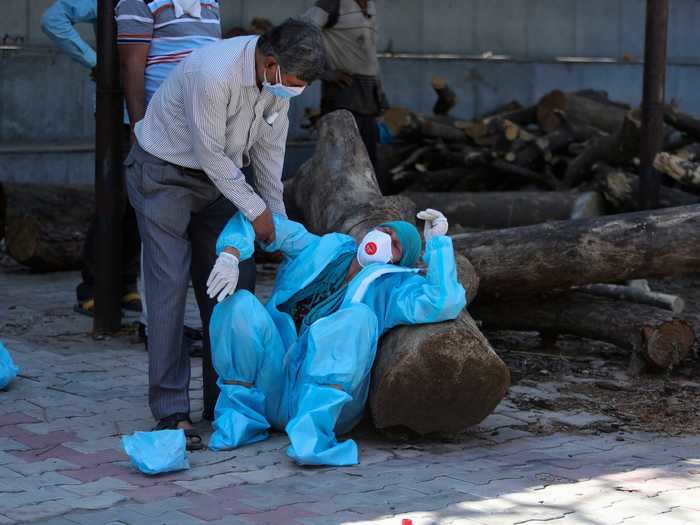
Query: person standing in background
352,77
153,37
57,22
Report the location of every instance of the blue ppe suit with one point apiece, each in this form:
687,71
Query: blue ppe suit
314,384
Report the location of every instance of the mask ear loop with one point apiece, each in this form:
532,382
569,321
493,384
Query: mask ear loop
279,75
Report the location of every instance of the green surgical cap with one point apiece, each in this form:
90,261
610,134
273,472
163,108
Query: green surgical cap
410,241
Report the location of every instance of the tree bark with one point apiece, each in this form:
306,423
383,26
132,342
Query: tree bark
559,255
655,334
587,108
44,226
411,387
620,189
489,210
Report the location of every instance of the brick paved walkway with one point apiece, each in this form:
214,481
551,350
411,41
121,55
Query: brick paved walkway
61,461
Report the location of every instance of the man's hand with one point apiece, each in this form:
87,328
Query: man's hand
338,77
223,278
435,223
264,227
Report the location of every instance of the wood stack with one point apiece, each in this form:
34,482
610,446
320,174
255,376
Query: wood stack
567,142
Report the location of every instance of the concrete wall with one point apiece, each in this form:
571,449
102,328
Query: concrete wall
45,98
522,28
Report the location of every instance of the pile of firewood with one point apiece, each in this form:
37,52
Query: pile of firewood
559,150
582,277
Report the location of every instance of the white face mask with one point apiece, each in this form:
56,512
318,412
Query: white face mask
279,89
374,248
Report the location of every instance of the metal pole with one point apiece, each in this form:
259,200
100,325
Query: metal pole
109,192
656,38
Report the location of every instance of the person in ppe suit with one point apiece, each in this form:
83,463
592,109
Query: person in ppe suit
302,362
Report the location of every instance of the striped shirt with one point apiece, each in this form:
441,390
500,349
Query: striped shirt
171,39
209,114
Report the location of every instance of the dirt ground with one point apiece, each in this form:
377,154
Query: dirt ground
596,377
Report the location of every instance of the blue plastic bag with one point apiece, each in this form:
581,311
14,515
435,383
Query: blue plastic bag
385,134
8,369
157,452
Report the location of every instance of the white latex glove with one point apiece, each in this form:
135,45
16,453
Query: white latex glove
223,277
435,223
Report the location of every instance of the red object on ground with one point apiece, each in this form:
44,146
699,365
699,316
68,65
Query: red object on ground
406,522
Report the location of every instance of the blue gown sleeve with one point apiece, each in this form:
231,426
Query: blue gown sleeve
437,296
291,238
57,22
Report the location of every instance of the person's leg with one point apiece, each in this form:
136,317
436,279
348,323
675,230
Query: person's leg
131,260
332,389
131,240
166,257
248,355
204,230
85,291
367,126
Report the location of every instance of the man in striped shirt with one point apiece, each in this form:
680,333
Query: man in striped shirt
222,108
153,37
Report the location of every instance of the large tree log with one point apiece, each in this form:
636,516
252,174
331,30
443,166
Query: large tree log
535,259
655,334
434,378
499,209
620,189
45,226
580,108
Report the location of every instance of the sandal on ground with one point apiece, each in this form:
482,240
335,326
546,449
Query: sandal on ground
194,440
85,307
132,301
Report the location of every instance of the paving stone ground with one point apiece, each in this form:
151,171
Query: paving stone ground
61,461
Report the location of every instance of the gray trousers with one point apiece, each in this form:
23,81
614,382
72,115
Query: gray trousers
180,215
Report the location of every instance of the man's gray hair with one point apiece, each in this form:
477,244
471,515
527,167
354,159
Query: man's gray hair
298,48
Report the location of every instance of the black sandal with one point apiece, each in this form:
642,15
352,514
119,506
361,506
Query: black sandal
194,440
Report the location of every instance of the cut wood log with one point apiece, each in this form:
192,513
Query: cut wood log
636,294
662,340
618,148
559,255
682,122
620,189
432,378
489,210
447,99
45,226
684,171
587,108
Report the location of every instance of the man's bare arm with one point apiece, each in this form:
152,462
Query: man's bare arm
132,58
